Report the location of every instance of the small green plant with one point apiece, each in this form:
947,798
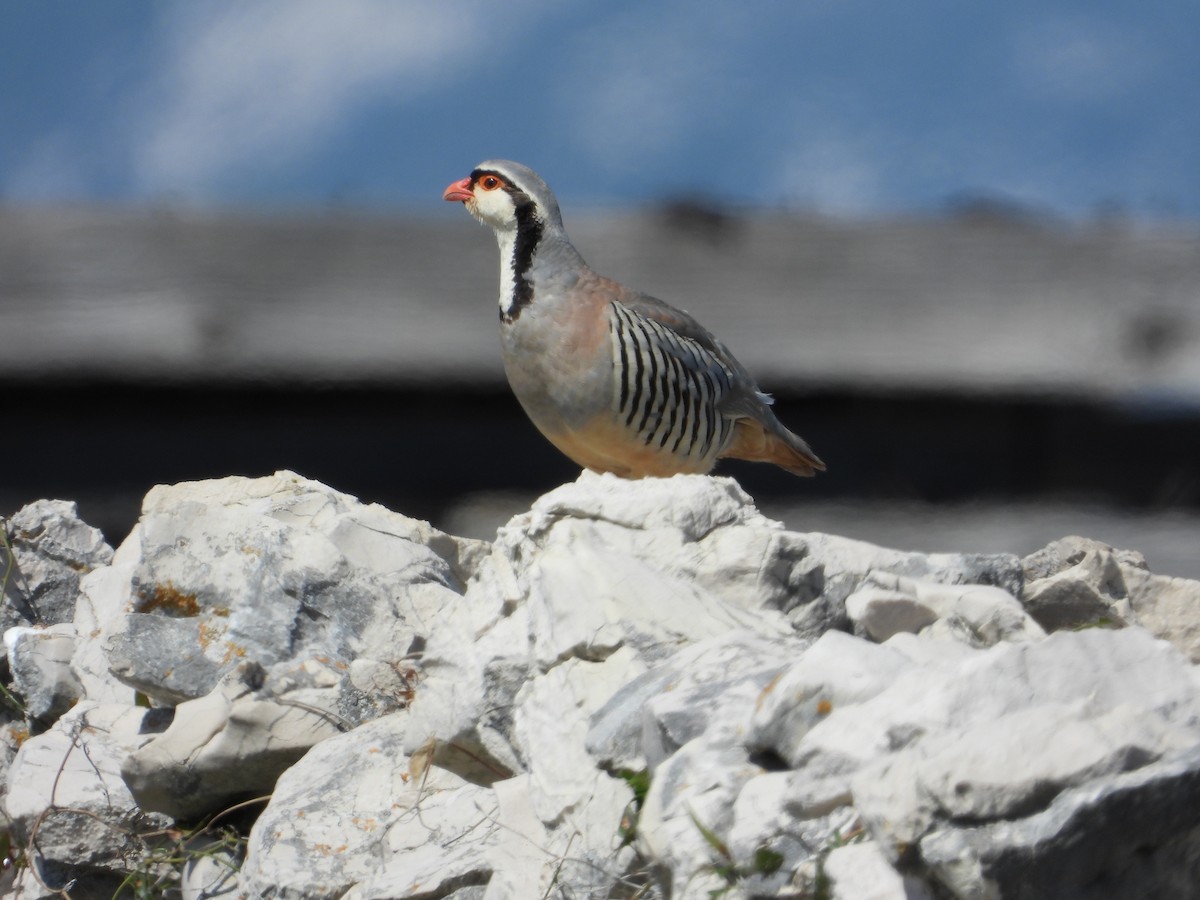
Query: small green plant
639,782
8,561
765,861
11,856
170,850
12,703
155,859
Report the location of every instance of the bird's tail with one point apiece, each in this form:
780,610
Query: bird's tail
770,442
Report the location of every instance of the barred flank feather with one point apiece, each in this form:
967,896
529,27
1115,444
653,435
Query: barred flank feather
667,387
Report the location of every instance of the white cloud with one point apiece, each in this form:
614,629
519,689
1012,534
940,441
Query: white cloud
1080,60
252,80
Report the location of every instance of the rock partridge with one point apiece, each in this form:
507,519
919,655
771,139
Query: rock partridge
618,381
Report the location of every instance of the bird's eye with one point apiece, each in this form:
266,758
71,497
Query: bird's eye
490,182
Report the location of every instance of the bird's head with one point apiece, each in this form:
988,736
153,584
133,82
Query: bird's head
505,195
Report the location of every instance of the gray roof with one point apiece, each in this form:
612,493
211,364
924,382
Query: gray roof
965,303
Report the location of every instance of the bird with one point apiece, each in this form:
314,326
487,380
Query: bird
617,380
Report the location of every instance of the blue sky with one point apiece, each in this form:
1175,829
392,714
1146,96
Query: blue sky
843,106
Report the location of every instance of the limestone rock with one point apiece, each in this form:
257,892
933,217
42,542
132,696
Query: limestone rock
860,872
839,566
572,579
638,689
279,571
211,872
1132,835
51,549
230,744
1076,582
100,612
354,812
67,802
981,615
854,735
40,662
1166,607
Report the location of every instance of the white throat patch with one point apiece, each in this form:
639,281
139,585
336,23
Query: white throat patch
508,276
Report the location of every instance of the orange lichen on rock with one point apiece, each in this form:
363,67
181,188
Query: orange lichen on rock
169,599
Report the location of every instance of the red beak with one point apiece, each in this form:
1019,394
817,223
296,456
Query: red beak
459,190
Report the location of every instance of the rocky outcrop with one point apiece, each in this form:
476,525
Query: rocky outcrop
638,689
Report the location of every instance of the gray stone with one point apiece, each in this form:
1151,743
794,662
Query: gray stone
1068,552
1083,584
49,548
1076,582
1133,835
40,662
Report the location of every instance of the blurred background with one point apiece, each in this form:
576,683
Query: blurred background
959,242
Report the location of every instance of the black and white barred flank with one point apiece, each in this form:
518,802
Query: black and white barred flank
668,387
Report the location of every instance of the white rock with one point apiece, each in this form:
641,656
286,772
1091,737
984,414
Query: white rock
104,600
713,689
1089,703
275,570
226,745
693,505
692,793
65,791
351,814
1077,582
40,662
551,723
211,872
841,565
861,872
887,604
572,579
1167,607
836,672
783,825
661,625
